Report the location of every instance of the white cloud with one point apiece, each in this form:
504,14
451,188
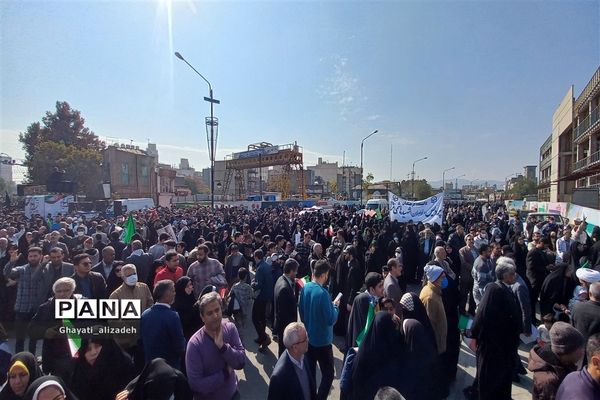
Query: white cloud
373,117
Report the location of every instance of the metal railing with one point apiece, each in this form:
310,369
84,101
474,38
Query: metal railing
594,157
581,164
587,123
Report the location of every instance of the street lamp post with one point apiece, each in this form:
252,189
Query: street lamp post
456,181
444,178
362,175
211,122
412,182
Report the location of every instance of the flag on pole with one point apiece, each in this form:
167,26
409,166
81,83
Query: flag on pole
129,230
302,281
378,214
370,318
73,339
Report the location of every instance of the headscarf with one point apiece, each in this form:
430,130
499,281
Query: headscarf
182,299
185,305
413,308
380,345
107,376
45,381
420,356
556,289
159,381
27,361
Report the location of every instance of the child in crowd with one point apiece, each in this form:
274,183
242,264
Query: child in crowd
544,329
580,294
244,295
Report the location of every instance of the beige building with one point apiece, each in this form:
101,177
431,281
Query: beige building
341,178
586,135
575,147
556,155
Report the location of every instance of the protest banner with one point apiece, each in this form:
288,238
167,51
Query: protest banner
429,210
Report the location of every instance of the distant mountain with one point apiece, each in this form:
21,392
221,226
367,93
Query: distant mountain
463,182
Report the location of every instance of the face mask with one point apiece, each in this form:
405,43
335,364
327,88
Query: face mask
79,233
444,283
131,280
498,240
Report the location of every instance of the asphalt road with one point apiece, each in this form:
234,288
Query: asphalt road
254,378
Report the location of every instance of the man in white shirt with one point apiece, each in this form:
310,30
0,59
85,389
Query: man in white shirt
563,244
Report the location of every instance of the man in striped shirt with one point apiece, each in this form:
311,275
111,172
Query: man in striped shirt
33,284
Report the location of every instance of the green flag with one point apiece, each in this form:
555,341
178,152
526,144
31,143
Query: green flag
73,339
378,214
129,230
370,318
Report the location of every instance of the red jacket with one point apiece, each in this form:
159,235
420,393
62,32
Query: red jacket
165,273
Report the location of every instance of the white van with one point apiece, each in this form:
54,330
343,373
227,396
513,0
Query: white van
123,206
374,204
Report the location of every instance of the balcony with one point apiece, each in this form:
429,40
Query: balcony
588,122
544,182
581,164
547,144
545,163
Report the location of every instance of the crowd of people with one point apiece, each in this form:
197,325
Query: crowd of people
402,295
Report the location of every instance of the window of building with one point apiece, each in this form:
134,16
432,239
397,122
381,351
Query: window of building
144,175
125,174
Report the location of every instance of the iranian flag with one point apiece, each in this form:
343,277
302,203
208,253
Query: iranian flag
73,339
330,231
370,318
302,281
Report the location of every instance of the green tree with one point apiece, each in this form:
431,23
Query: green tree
62,140
368,181
191,184
522,188
422,189
80,165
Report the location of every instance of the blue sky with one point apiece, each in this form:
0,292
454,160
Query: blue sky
468,84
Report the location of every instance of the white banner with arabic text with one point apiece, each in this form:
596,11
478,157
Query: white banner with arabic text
429,210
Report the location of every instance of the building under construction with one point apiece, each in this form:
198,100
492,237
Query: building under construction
282,164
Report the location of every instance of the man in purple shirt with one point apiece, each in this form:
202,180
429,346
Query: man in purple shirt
584,384
213,353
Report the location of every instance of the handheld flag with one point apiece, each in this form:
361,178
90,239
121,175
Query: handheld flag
129,230
378,214
72,338
370,318
302,281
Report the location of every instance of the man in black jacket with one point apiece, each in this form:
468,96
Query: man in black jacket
142,261
89,284
292,378
537,269
286,306
107,268
496,328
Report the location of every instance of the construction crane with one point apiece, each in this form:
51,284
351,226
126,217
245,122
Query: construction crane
264,154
